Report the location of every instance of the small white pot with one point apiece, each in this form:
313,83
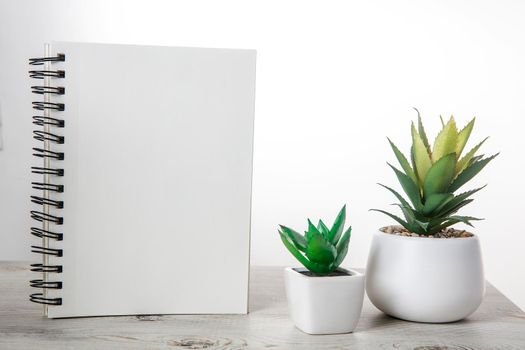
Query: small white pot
324,305
423,279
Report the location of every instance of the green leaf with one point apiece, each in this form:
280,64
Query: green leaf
311,230
403,162
398,196
446,141
296,238
422,133
440,175
337,227
423,225
436,221
436,201
410,188
449,210
407,213
459,198
465,161
464,219
469,173
320,251
463,136
414,225
316,268
342,248
395,217
421,157
451,221
323,229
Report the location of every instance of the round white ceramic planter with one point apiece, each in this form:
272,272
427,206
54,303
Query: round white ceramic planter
425,279
324,305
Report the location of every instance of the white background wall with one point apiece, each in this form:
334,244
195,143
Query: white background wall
334,78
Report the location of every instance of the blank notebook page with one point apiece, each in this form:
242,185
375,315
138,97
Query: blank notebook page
158,167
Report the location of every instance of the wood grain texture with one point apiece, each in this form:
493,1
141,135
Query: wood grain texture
498,324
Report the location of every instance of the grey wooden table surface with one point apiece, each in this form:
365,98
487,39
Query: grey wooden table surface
498,324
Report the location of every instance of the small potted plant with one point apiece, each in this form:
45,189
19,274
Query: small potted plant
323,298
424,270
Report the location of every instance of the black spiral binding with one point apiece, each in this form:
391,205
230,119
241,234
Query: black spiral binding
43,200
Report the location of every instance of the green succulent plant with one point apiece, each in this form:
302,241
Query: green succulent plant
321,249
433,175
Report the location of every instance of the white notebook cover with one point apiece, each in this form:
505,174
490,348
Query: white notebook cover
158,168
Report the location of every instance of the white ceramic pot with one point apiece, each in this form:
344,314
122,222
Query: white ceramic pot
423,279
324,305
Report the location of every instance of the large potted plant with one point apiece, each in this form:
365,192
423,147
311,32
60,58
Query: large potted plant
424,270
323,298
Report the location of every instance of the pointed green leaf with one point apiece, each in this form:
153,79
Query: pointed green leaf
421,157
410,188
315,268
323,229
345,238
398,196
311,230
457,200
297,239
342,248
463,136
436,201
414,225
337,227
446,141
449,209
436,221
469,173
395,217
422,133
465,219
416,214
319,250
311,227
403,162
451,221
407,213
440,175
423,225
465,161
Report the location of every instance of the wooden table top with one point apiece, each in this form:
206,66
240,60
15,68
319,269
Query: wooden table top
497,324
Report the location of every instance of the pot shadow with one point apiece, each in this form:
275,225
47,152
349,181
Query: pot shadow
383,321
379,321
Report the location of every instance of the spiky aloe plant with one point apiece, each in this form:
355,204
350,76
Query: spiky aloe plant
321,250
433,176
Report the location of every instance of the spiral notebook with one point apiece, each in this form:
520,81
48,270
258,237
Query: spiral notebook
142,179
